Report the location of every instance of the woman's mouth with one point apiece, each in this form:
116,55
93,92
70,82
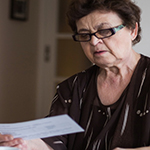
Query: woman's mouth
99,52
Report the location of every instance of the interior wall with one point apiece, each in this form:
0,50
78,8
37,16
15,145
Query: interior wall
143,46
19,60
18,64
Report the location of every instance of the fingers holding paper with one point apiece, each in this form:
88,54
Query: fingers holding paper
36,144
10,141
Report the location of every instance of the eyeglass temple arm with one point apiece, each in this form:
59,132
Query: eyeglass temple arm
118,28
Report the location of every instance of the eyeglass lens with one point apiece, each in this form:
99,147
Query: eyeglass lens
83,37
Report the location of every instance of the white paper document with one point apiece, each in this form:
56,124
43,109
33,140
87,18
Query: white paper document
41,128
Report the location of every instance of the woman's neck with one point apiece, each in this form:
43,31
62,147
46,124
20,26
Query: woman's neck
123,69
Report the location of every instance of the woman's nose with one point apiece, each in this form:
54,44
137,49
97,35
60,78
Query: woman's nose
94,40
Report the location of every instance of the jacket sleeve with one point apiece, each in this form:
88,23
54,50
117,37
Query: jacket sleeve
68,100
60,105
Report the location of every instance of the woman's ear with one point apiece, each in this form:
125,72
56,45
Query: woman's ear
134,32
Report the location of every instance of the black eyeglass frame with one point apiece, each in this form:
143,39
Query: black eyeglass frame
113,31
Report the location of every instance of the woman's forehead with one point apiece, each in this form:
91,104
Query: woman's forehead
98,19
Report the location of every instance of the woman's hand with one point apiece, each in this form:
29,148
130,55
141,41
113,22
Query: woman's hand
35,144
9,140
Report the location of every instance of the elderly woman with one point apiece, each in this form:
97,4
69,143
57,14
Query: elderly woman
111,99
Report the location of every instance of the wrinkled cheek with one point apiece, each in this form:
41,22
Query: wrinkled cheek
87,51
89,56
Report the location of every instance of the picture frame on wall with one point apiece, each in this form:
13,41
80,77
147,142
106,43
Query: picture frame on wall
19,9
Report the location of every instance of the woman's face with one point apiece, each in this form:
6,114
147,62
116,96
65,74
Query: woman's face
109,51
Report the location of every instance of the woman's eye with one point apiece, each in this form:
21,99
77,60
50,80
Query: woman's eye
104,32
84,36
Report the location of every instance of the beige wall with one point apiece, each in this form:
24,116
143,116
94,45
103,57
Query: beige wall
143,46
20,44
18,64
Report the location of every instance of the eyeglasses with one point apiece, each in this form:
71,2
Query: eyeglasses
100,34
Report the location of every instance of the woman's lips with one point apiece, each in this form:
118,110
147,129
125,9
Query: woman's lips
99,52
